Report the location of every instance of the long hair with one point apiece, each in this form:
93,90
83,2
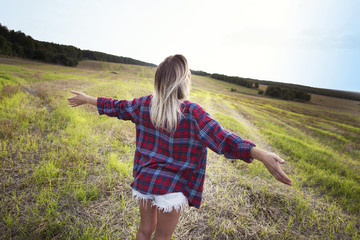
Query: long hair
172,86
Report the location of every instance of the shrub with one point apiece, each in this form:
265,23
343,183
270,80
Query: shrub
287,94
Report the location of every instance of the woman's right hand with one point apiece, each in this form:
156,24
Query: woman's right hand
77,100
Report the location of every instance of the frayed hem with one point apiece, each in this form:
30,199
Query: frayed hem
160,201
166,209
138,199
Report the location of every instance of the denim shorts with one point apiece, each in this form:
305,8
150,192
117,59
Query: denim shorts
165,203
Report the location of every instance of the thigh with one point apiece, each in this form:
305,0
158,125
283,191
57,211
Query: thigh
166,224
148,217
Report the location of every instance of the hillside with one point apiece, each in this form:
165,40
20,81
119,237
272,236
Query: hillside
65,172
18,44
319,91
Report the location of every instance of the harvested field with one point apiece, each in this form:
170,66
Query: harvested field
65,172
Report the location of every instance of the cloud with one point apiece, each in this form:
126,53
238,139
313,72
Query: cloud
349,41
256,35
310,38
313,38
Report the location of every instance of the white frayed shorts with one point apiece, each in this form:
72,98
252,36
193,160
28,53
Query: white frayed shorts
166,203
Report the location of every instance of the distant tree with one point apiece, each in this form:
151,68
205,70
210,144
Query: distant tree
237,80
200,73
287,94
256,85
42,53
5,47
273,91
17,50
260,92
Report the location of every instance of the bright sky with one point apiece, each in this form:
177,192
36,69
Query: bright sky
308,42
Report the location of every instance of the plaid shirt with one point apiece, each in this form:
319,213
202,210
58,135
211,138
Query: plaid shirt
174,162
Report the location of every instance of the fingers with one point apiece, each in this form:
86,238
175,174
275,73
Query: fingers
78,94
282,177
73,104
273,165
76,100
74,92
280,160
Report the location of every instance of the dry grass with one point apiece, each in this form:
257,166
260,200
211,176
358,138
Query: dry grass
8,90
335,104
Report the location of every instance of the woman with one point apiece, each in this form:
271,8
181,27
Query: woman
172,136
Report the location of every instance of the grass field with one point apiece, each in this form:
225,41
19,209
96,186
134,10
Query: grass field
65,173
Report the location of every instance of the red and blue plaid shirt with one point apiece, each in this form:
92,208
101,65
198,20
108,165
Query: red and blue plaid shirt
167,162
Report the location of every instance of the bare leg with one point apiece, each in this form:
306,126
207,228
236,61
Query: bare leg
166,224
147,220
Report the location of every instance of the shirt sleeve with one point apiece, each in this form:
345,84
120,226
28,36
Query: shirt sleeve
122,109
219,139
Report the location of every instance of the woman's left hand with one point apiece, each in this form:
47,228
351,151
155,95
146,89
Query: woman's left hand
272,163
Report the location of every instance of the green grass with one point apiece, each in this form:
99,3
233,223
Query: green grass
318,160
65,172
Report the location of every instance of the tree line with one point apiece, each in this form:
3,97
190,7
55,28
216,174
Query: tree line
99,56
272,91
245,82
311,90
17,44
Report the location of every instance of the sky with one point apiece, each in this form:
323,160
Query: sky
308,42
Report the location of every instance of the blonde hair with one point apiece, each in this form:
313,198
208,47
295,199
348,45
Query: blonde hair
172,86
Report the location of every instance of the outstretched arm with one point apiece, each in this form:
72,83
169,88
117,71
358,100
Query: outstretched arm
221,141
80,99
271,162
